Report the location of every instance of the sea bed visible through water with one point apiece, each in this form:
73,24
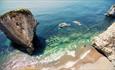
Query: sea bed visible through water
56,42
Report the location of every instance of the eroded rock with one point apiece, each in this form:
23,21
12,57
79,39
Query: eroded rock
111,11
105,43
63,25
19,26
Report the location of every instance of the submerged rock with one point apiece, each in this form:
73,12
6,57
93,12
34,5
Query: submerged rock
105,43
111,11
19,26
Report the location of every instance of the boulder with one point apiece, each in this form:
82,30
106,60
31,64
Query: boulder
77,22
19,26
111,11
63,25
105,43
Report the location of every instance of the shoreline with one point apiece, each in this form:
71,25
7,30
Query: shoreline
85,57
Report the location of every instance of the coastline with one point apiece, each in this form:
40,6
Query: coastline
85,59
66,48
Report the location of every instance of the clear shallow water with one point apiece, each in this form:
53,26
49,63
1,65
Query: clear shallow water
51,13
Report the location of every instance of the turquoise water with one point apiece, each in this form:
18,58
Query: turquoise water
50,14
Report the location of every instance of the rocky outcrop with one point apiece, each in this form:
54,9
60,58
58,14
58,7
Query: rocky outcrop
105,43
19,26
111,11
63,25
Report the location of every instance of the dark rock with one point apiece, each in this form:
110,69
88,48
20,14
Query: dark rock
111,11
19,26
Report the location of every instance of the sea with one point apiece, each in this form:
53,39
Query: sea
54,41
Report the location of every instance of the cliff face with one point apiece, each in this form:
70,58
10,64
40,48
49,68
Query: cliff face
19,26
105,43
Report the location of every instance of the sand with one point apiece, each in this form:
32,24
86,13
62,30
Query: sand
86,58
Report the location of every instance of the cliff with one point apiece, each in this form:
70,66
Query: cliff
105,43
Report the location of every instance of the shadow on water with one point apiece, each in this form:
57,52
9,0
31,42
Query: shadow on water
39,46
108,21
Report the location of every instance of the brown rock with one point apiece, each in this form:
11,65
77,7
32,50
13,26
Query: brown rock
19,25
105,43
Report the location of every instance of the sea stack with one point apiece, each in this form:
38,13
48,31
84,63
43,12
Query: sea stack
19,26
105,43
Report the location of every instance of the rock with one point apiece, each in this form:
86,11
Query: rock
95,61
77,22
105,43
19,26
63,25
111,11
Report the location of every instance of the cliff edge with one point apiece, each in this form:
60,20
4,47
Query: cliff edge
105,43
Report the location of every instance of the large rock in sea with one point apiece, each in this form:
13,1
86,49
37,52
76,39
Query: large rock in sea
111,11
19,26
105,43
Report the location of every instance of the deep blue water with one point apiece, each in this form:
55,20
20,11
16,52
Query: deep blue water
51,13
